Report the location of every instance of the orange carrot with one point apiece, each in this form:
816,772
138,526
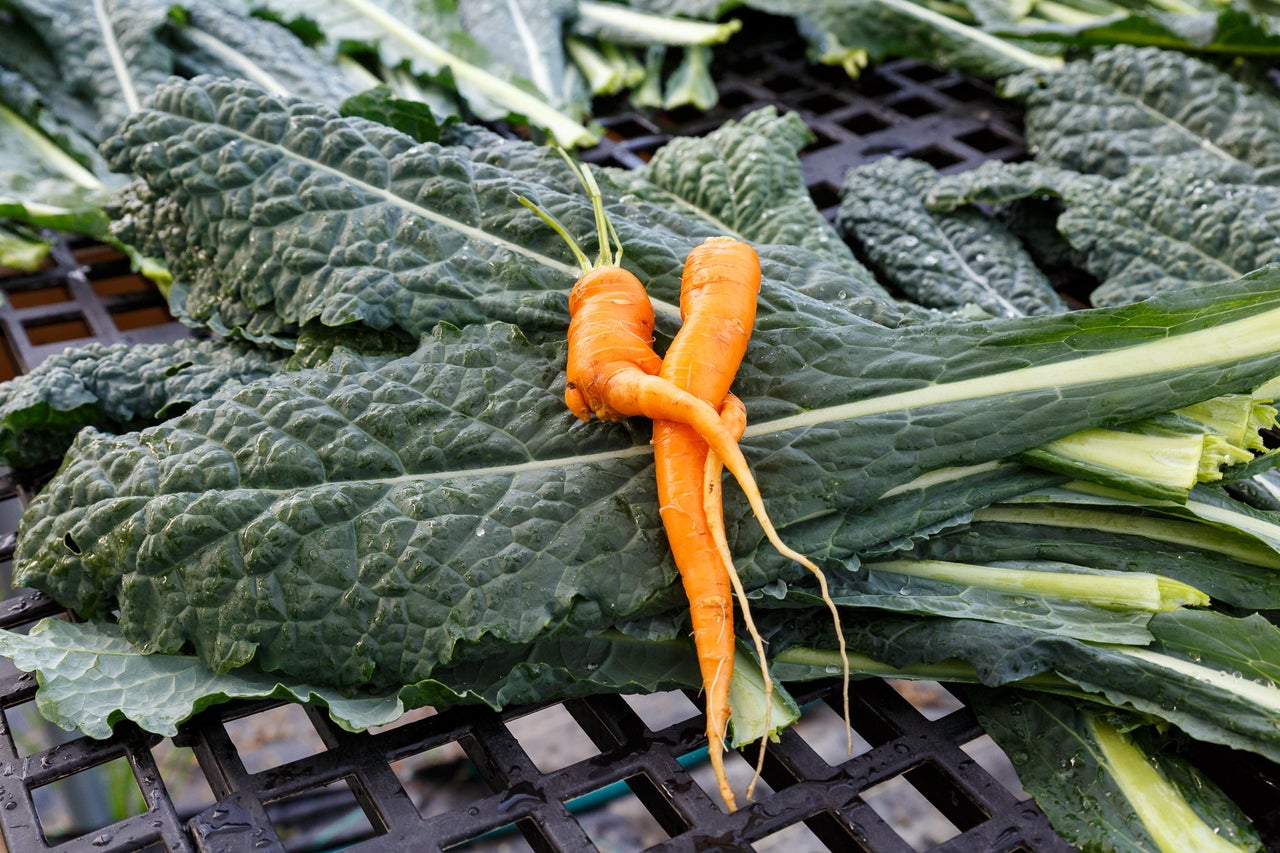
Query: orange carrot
610,333
718,293
613,372
733,414
718,297
679,456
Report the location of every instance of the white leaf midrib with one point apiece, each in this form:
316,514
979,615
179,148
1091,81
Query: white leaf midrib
118,64
471,232
1238,340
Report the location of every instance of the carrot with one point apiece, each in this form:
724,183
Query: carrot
678,447
613,372
679,457
718,291
718,296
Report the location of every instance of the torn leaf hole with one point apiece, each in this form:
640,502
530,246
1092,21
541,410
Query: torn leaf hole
70,542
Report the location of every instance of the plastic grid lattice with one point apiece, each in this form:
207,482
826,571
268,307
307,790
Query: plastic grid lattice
902,108
85,292
390,790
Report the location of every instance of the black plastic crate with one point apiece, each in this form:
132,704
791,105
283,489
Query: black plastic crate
84,292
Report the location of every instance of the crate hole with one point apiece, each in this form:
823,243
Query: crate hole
831,75
915,107
141,318
824,195
273,737
552,738
683,117
183,778
659,710
31,732
67,327
985,140
966,91
87,801
8,364
864,124
992,759
735,99
921,73
796,837
945,793
441,779
930,698
820,141
29,298
120,285
320,819
823,728
876,85
821,102
916,820
938,158
96,254
785,83
737,770
614,818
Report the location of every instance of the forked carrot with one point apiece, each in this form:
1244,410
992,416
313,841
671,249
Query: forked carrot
613,372
718,296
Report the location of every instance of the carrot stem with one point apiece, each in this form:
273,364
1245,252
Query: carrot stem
558,227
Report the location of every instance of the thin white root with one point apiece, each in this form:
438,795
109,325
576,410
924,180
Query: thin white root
757,507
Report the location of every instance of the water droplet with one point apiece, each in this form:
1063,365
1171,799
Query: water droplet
103,840
479,531
911,241
929,260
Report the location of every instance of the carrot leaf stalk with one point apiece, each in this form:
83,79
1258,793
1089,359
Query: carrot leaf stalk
610,250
